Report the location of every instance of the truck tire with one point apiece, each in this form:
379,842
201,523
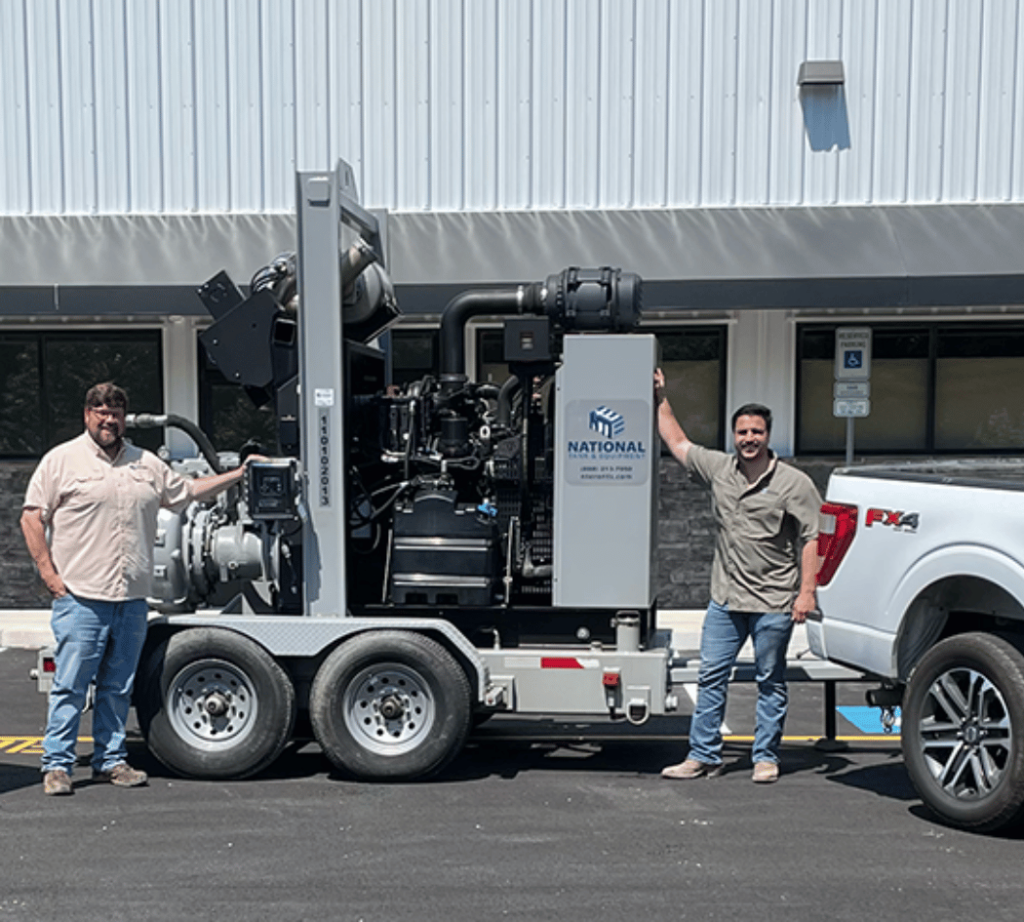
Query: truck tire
390,705
963,731
214,704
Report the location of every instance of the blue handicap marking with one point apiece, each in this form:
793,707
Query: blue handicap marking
868,719
853,358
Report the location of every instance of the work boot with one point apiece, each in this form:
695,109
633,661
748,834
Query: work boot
765,772
122,775
693,768
57,782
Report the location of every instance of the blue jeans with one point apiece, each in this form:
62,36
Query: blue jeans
723,635
99,641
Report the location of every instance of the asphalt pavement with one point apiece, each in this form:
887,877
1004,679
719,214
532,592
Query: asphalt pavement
538,819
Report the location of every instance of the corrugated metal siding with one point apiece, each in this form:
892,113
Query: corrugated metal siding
155,106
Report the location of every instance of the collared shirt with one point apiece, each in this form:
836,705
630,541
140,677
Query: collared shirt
102,515
761,529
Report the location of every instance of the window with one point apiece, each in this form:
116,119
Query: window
693,359
934,388
413,354
45,375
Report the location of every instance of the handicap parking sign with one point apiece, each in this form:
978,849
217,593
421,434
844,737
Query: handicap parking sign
853,353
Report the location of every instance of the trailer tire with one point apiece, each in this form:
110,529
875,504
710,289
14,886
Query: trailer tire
963,731
390,705
214,704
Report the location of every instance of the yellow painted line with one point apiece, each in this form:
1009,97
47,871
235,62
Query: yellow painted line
28,745
33,745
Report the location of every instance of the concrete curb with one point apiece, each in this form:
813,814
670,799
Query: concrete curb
25,628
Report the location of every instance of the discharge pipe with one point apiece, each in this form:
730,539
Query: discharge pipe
603,299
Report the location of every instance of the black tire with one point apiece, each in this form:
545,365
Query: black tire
390,705
963,731
214,704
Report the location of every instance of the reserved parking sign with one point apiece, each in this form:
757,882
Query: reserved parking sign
853,353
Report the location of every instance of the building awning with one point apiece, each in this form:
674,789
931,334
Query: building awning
712,259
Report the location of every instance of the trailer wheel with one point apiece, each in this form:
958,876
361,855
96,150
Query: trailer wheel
390,705
214,704
963,731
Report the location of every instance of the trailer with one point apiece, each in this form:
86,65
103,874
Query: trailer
412,559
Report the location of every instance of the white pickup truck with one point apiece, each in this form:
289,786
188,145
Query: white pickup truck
922,586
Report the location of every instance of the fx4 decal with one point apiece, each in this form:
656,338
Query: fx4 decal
901,521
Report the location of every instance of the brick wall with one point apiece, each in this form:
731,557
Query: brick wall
684,538
685,544
20,586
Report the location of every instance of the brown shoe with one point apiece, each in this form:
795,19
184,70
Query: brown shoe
693,768
122,775
765,773
57,782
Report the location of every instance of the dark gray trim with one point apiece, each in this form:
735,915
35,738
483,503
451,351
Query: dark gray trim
722,259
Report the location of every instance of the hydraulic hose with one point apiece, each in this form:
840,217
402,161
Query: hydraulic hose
156,421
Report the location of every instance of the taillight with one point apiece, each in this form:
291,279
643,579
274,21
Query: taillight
838,526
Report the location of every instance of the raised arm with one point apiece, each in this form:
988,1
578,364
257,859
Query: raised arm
669,429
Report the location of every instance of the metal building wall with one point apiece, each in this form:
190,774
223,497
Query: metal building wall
169,106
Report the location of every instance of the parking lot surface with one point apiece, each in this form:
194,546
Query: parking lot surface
537,819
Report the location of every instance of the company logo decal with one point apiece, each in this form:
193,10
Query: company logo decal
607,422
898,520
610,425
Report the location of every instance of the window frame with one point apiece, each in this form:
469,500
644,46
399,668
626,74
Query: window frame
933,329
42,336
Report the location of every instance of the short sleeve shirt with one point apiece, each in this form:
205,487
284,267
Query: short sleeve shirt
102,515
760,532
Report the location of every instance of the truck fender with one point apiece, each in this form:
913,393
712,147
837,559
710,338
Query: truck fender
915,604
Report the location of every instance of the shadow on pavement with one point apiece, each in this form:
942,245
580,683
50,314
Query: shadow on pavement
16,777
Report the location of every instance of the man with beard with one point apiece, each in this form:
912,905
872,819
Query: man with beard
762,579
99,497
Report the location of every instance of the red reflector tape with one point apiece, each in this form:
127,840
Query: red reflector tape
49,665
610,679
560,662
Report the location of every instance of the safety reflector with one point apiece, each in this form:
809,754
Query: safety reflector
560,662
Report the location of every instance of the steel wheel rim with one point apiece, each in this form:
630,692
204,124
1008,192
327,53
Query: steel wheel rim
388,708
212,703
965,733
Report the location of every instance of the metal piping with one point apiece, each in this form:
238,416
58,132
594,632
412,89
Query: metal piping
470,304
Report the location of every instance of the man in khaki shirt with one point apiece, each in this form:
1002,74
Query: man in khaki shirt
99,497
762,579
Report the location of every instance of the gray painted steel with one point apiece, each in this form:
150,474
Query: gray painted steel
606,483
570,681
322,397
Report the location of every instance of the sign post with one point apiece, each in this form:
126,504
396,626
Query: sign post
852,390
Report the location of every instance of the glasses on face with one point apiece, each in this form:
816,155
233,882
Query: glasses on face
107,412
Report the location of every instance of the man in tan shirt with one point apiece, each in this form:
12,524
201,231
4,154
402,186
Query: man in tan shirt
99,497
762,579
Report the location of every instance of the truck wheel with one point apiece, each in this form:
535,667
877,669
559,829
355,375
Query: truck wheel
963,731
214,704
390,705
